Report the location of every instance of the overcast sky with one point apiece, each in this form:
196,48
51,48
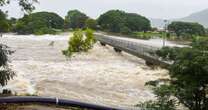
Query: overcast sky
150,8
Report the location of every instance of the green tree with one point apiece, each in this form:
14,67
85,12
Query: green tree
163,98
136,22
186,29
26,5
189,74
91,23
125,30
78,43
6,73
4,23
112,20
90,39
39,23
200,43
75,19
206,31
122,22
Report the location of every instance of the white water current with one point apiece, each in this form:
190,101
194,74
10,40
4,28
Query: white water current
99,76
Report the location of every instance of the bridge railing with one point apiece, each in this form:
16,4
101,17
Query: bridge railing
133,46
141,49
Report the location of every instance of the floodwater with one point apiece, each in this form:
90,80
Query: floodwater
99,76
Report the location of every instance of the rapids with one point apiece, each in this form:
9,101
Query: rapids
99,76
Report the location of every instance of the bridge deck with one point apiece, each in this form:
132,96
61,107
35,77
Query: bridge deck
136,49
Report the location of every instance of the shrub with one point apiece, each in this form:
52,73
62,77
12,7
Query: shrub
79,43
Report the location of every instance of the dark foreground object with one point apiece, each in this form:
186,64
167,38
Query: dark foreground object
53,101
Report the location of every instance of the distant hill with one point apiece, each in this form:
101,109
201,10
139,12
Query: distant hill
200,17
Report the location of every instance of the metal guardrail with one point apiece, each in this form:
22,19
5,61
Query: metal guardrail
140,50
55,101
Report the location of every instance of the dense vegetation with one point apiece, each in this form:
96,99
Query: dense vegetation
75,19
91,23
113,21
188,78
5,72
80,43
186,29
39,23
4,23
121,22
26,5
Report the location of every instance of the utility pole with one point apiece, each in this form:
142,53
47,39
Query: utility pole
165,29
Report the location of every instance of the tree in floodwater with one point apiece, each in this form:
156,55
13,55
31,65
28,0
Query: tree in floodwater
80,43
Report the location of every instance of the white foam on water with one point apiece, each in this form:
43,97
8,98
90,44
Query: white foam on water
98,76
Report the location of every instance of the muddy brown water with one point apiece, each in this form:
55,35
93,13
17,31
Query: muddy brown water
99,76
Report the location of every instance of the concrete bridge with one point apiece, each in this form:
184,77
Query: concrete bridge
134,48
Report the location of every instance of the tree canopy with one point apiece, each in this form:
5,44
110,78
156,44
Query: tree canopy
189,74
91,23
4,23
200,43
119,21
5,72
75,19
26,5
40,23
80,43
186,28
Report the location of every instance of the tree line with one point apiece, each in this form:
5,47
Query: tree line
187,29
47,22
113,21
